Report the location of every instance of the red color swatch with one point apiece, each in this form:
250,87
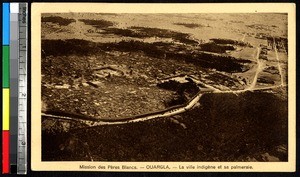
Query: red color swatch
5,152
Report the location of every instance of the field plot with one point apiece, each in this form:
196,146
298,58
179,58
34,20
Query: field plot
164,87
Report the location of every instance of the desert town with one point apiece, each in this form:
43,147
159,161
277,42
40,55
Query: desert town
216,87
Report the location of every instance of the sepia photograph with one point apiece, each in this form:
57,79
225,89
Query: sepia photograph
164,87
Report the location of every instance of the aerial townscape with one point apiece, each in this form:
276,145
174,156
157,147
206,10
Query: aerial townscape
164,87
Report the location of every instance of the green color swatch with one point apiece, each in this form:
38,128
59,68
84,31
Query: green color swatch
5,66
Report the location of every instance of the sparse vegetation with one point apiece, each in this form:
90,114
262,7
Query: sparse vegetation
120,32
58,20
164,33
236,21
216,48
262,27
265,80
189,25
223,79
205,60
230,41
271,70
97,23
281,43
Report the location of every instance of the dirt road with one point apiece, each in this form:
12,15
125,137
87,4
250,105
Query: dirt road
278,63
258,70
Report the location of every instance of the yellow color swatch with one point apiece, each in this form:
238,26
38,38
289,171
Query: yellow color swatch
5,109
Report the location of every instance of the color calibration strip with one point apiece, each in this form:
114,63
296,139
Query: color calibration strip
22,89
13,55
5,88
14,88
